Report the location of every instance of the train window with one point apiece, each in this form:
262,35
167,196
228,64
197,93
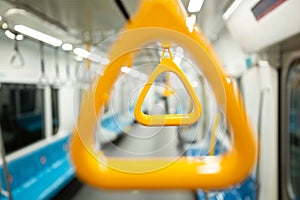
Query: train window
55,110
21,115
294,127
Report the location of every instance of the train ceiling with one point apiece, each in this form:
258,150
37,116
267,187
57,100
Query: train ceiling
76,21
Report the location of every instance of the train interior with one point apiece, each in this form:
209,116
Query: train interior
148,87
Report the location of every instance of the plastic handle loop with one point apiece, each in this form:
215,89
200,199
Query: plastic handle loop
17,59
211,172
167,65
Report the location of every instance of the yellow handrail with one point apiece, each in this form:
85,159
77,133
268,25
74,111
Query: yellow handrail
163,20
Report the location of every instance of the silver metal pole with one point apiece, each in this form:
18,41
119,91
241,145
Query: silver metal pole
5,169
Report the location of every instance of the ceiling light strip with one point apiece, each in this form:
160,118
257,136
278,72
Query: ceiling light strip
38,35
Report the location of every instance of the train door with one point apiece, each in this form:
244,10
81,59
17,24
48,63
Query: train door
290,127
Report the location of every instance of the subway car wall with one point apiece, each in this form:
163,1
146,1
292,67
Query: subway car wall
259,85
23,100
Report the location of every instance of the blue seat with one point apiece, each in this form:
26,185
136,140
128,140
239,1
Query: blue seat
40,174
245,190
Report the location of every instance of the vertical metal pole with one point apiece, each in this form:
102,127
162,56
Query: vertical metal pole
260,122
206,195
5,169
204,103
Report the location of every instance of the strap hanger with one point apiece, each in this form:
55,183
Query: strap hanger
57,81
17,59
43,80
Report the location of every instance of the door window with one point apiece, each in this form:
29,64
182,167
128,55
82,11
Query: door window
294,126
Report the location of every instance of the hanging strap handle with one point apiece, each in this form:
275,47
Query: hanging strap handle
167,65
16,59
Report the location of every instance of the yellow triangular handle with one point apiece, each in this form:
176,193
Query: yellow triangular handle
167,65
212,172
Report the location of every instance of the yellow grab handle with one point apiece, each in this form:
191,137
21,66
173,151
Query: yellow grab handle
211,172
167,65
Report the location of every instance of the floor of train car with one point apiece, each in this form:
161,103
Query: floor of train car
154,141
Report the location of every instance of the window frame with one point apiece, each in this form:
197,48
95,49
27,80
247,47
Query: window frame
295,63
15,104
57,90
285,186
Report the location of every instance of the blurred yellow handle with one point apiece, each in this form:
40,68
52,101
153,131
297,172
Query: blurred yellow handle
163,20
